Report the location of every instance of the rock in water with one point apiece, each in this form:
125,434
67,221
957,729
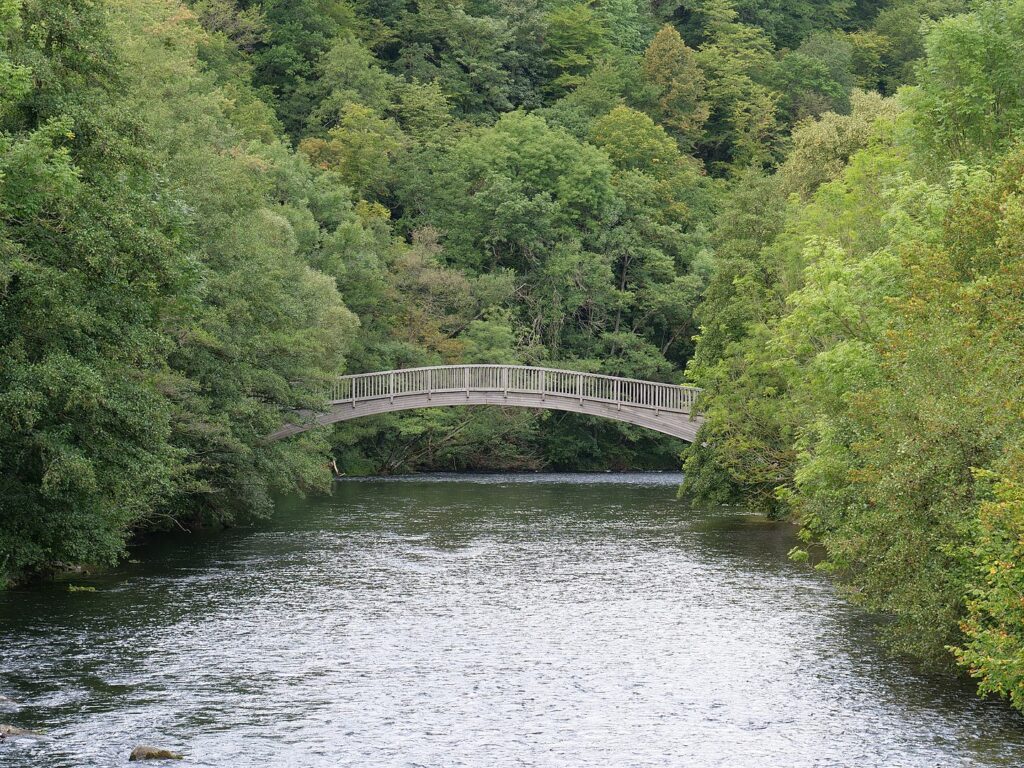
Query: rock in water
12,730
152,753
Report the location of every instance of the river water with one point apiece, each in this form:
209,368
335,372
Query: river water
549,620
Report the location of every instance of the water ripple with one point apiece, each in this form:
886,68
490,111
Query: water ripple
548,620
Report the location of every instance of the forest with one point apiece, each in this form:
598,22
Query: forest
812,209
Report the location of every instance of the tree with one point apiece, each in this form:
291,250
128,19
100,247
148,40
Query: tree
969,100
361,148
992,646
504,196
861,358
634,141
90,269
808,87
736,59
469,56
672,66
353,77
299,33
245,27
575,37
264,330
823,147
790,22
629,23
609,83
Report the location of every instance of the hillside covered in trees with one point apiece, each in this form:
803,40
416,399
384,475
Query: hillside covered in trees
812,210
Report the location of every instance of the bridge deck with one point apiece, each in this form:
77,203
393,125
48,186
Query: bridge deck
666,408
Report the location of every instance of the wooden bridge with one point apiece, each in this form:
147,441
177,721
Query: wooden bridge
667,408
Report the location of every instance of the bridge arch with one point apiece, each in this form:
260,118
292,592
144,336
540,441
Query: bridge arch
666,408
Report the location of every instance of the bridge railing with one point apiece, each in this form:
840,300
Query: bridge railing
515,379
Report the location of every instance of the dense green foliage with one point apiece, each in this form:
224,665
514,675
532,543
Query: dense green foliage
210,208
540,178
862,344
156,304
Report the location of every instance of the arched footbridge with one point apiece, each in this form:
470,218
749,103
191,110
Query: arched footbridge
667,408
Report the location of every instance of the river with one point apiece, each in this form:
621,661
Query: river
502,620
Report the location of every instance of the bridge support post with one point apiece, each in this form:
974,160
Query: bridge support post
504,382
579,387
618,395
543,386
430,385
465,372
391,386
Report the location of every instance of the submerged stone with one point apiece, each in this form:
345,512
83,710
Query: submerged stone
154,753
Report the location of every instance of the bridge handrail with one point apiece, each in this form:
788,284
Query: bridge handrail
491,377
